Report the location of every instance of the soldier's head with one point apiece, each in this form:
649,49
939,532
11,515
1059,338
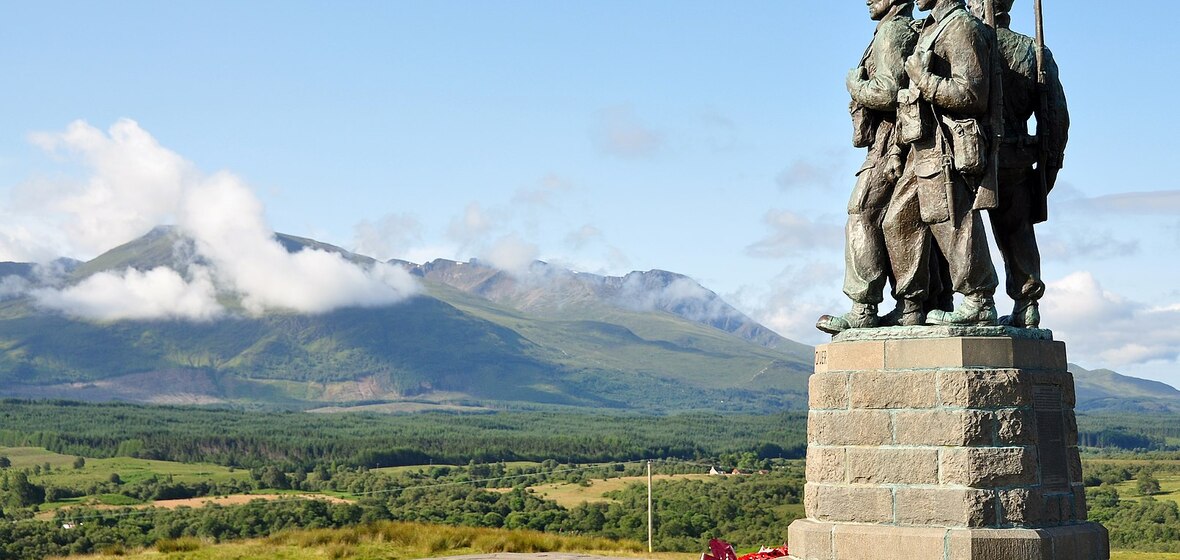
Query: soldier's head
927,5
1001,7
878,9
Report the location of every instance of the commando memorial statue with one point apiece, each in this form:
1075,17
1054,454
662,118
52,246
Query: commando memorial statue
936,431
942,106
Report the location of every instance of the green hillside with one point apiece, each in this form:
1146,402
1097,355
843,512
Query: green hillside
443,346
1104,391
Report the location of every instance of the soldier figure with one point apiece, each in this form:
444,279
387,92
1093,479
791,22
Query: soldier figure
1028,90
873,85
937,199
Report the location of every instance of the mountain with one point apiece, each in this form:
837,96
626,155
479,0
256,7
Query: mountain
476,337
1104,391
550,291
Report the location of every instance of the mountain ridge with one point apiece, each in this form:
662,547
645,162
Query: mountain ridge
475,337
446,344
1106,391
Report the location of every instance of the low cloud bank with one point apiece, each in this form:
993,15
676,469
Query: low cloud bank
132,184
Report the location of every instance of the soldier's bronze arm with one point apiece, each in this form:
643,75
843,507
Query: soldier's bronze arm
890,50
965,48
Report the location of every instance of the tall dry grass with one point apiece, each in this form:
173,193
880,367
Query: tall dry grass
427,540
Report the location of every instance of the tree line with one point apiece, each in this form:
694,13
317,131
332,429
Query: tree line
292,440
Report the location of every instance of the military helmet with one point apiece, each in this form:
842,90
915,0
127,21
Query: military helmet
1003,6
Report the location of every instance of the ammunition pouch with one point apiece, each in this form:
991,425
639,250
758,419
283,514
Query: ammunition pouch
935,190
864,125
914,117
968,144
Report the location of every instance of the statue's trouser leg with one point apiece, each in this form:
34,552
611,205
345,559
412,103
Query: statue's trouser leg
908,241
1016,237
962,240
940,294
866,267
965,247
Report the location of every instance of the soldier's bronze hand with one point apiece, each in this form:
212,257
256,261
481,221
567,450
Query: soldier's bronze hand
855,77
917,66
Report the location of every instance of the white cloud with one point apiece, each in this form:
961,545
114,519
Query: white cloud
824,171
1110,330
1165,203
793,233
1085,244
392,236
20,242
793,300
134,184
472,226
12,287
1080,299
583,236
511,254
620,133
160,293
548,188
225,219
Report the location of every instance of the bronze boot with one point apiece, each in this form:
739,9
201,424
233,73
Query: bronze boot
1026,314
862,316
907,314
976,310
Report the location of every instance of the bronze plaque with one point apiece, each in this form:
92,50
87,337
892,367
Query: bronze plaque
1051,449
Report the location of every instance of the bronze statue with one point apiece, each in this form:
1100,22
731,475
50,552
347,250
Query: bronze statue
936,202
873,85
957,134
1031,87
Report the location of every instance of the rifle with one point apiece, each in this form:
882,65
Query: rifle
988,194
1043,91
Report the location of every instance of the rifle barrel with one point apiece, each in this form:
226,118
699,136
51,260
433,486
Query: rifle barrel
1040,15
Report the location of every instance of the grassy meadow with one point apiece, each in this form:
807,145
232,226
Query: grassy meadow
570,494
387,540
1132,555
410,540
1167,472
1169,488
129,469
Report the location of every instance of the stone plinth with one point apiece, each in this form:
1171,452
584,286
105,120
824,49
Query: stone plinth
940,444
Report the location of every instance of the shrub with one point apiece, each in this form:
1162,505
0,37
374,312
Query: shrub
184,544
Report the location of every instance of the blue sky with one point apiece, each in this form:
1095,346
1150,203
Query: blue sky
706,138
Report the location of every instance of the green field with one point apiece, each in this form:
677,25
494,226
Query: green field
1129,555
570,494
1169,488
28,457
130,470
